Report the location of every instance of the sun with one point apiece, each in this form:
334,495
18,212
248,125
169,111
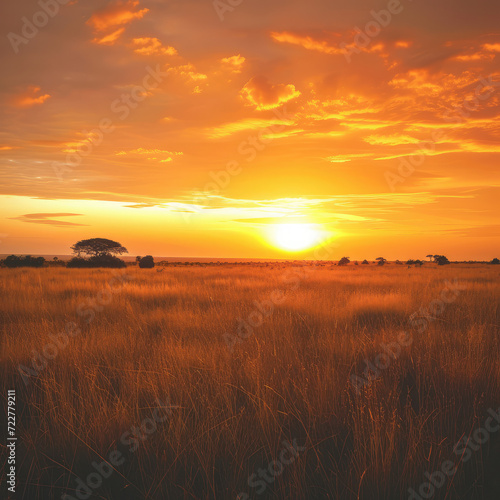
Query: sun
295,237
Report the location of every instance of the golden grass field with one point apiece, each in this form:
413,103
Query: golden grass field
165,335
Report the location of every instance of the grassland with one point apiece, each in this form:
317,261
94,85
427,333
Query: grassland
240,391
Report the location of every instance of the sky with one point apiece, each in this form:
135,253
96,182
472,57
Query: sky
253,129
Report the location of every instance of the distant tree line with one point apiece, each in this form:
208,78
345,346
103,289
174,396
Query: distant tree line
27,261
102,252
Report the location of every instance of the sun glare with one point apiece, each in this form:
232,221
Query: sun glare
295,237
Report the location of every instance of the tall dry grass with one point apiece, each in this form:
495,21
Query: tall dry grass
163,335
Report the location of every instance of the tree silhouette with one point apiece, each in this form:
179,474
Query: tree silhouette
98,247
441,260
430,257
344,261
495,261
381,261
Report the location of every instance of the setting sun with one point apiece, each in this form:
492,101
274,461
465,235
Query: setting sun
295,237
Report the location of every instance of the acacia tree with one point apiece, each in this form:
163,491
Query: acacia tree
98,247
381,261
430,257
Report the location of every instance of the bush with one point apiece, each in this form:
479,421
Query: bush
441,260
78,262
97,261
28,261
107,261
365,262
147,262
344,261
495,261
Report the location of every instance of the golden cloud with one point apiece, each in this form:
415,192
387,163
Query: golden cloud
492,47
152,46
160,155
188,71
390,140
263,95
116,14
241,125
306,42
234,63
425,84
347,157
48,218
30,98
109,39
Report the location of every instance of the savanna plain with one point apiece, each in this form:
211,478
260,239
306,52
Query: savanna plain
368,376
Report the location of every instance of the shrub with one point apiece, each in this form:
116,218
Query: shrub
441,260
344,261
28,261
495,261
97,261
78,262
147,262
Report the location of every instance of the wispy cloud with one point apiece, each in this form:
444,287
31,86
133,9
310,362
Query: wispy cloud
48,218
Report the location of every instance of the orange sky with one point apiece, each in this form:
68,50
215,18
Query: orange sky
179,128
